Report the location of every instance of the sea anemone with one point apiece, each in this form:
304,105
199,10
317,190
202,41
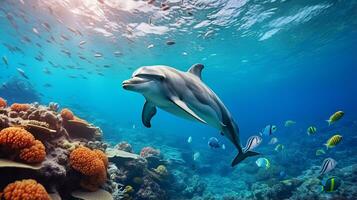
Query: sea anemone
34,154
18,107
16,138
67,114
3,103
27,189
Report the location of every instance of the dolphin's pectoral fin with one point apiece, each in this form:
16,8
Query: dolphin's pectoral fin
149,111
184,107
196,69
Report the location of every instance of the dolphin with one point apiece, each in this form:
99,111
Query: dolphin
184,94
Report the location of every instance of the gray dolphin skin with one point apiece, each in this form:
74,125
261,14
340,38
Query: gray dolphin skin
185,95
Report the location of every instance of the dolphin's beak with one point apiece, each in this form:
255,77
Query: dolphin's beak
130,83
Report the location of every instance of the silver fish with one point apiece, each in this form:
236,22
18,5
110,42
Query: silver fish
328,165
22,73
252,143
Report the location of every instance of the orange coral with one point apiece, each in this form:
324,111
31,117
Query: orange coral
67,114
102,156
34,154
3,103
18,107
27,189
16,138
86,161
92,164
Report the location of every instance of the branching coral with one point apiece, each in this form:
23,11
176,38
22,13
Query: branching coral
16,138
92,164
27,189
34,154
18,107
3,103
67,114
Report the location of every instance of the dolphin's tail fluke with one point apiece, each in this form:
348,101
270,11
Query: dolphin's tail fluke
243,155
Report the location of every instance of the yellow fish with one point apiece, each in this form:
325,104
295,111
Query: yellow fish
335,117
333,141
311,130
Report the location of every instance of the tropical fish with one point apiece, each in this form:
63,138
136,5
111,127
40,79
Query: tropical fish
189,139
311,130
150,46
279,147
273,140
263,162
289,123
331,184
82,43
4,59
22,73
335,117
196,156
252,143
327,165
320,152
268,130
333,141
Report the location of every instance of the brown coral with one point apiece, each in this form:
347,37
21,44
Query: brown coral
67,114
92,183
27,189
18,107
3,103
16,138
34,154
92,164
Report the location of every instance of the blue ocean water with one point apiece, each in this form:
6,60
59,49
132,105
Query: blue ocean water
268,61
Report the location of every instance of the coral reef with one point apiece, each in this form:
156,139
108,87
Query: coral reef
25,189
37,143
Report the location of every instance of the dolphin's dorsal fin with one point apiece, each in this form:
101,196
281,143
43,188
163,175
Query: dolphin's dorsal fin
196,69
184,107
149,111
